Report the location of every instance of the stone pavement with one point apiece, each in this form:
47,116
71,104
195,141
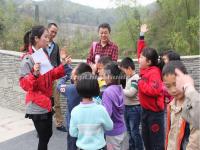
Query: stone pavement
13,124
17,133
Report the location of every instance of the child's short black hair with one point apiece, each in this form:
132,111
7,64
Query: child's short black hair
87,85
52,24
170,67
104,60
105,25
172,55
112,69
151,54
83,67
118,77
127,62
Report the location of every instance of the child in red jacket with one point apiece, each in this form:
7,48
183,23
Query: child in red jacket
150,91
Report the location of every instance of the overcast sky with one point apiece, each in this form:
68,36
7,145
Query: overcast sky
106,3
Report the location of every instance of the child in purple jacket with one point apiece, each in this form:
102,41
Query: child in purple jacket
113,101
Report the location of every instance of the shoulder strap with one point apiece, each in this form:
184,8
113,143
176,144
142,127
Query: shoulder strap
94,47
56,45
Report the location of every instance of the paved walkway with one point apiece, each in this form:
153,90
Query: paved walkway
13,124
17,133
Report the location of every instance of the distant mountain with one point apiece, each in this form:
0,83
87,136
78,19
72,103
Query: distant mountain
72,17
64,11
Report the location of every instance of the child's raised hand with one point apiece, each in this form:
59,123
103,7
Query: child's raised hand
143,28
36,69
63,54
183,80
67,60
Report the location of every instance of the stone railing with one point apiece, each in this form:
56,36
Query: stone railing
12,96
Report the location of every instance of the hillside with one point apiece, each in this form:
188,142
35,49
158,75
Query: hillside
64,11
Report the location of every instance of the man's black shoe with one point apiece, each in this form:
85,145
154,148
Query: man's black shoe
61,128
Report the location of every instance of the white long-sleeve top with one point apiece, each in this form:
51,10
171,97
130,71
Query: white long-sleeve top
131,90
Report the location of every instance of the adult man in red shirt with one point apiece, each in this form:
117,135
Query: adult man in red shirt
104,47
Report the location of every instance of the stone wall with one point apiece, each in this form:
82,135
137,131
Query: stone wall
12,96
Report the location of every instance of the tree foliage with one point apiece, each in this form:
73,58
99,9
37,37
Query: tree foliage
173,24
12,26
126,30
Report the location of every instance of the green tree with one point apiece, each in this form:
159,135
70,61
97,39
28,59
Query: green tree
127,28
12,26
175,25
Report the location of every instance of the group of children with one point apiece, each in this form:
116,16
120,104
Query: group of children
115,108
149,98
143,100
